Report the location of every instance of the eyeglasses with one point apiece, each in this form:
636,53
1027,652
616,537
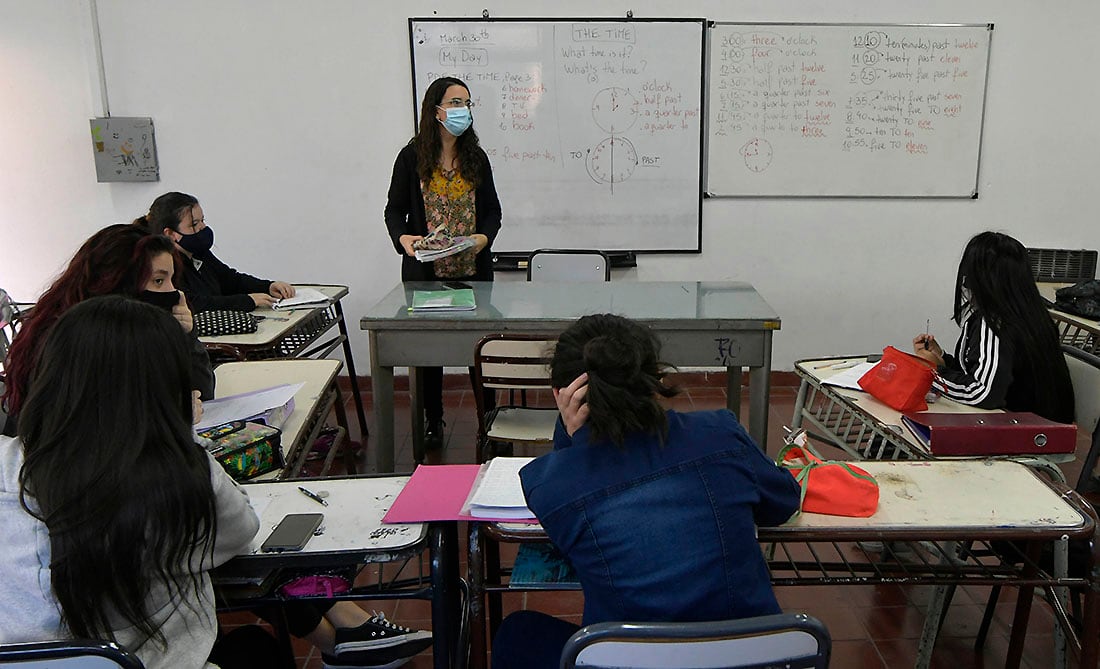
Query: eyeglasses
455,103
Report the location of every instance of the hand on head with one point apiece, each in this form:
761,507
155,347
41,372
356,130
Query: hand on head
571,404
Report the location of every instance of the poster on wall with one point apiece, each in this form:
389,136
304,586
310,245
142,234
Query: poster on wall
124,149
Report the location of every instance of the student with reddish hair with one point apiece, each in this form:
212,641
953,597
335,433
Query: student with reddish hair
118,260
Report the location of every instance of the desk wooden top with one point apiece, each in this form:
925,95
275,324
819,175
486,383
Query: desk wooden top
353,517
234,378
271,328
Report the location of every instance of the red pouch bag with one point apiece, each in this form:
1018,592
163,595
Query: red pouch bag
831,487
900,380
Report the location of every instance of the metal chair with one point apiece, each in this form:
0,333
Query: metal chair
568,265
518,364
790,640
71,654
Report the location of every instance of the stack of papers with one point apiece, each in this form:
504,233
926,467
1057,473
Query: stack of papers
250,406
448,246
497,492
443,300
303,297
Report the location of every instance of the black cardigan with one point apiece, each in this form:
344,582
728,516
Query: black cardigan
405,216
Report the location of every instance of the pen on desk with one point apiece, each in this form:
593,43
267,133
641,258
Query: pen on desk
312,495
261,317
927,331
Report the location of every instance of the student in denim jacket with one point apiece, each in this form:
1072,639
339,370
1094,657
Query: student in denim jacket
657,510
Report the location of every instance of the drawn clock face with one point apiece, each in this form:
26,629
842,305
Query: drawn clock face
614,110
612,161
757,154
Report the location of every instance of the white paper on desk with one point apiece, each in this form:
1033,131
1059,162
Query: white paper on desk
303,297
497,492
238,407
849,378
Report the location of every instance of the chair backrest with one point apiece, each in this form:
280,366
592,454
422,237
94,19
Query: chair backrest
511,362
1084,371
792,640
568,265
9,316
73,654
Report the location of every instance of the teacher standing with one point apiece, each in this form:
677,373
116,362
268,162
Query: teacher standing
443,178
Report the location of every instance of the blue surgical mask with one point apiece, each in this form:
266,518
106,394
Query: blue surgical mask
458,120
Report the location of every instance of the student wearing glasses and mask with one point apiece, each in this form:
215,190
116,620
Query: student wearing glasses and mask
209,283
442,180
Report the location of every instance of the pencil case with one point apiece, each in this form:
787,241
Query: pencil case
245,449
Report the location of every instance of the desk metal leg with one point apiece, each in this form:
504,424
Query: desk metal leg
446,615
733,390
350,362
416,410
799,404
381,379
759,394
937,610
475,572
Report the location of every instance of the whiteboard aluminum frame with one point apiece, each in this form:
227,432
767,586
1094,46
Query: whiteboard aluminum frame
704,25
707,194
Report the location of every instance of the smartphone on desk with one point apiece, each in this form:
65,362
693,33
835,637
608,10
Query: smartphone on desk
292,533
456,285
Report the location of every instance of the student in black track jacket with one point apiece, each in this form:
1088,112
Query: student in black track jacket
1008,355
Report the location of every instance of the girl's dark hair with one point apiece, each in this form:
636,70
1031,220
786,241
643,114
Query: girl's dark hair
624,375
115,260
996,282
111,467
166,212
428,144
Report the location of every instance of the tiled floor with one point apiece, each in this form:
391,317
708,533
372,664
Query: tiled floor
871,627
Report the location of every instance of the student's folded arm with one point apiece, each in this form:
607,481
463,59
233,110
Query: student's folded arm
986,387
233,282
779,492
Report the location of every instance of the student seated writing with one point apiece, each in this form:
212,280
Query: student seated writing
656,509
1007,355
209,283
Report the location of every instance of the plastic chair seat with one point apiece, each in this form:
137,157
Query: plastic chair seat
522,424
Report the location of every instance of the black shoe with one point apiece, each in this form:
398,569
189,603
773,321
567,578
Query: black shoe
433,434
376,643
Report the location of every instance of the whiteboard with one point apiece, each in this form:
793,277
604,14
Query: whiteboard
593,128
846,110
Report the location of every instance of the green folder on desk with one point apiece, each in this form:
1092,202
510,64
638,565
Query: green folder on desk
443,300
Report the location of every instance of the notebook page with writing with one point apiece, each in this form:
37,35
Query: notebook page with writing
497,491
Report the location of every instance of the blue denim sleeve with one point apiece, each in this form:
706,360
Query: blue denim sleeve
562,438
780,493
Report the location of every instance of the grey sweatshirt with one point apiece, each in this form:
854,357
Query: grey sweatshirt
29,611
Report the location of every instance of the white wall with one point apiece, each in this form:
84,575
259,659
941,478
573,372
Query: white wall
284,117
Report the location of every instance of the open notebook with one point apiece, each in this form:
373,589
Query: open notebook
497,493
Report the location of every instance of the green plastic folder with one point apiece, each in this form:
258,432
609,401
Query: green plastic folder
443,300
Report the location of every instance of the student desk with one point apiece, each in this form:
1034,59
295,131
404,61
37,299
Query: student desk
354,535
701,324
312,402
866,428
294,333
1073,330
942,503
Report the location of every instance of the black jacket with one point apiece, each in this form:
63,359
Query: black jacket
405,216
215,285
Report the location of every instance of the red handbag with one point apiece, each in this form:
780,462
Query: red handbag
831,487
900,380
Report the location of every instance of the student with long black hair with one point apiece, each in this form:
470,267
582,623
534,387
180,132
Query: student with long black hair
1007,355
656,509
112,516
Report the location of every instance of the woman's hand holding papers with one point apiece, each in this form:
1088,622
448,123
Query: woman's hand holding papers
571,404
281,290
262,300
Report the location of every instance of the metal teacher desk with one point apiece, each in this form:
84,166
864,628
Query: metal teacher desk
700,324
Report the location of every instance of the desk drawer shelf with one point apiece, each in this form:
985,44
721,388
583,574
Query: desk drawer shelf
847,429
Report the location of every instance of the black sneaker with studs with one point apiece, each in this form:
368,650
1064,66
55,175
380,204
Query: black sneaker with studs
377,643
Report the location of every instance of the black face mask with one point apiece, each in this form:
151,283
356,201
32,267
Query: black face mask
199,242
163,300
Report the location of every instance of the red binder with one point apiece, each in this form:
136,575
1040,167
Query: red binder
978,434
